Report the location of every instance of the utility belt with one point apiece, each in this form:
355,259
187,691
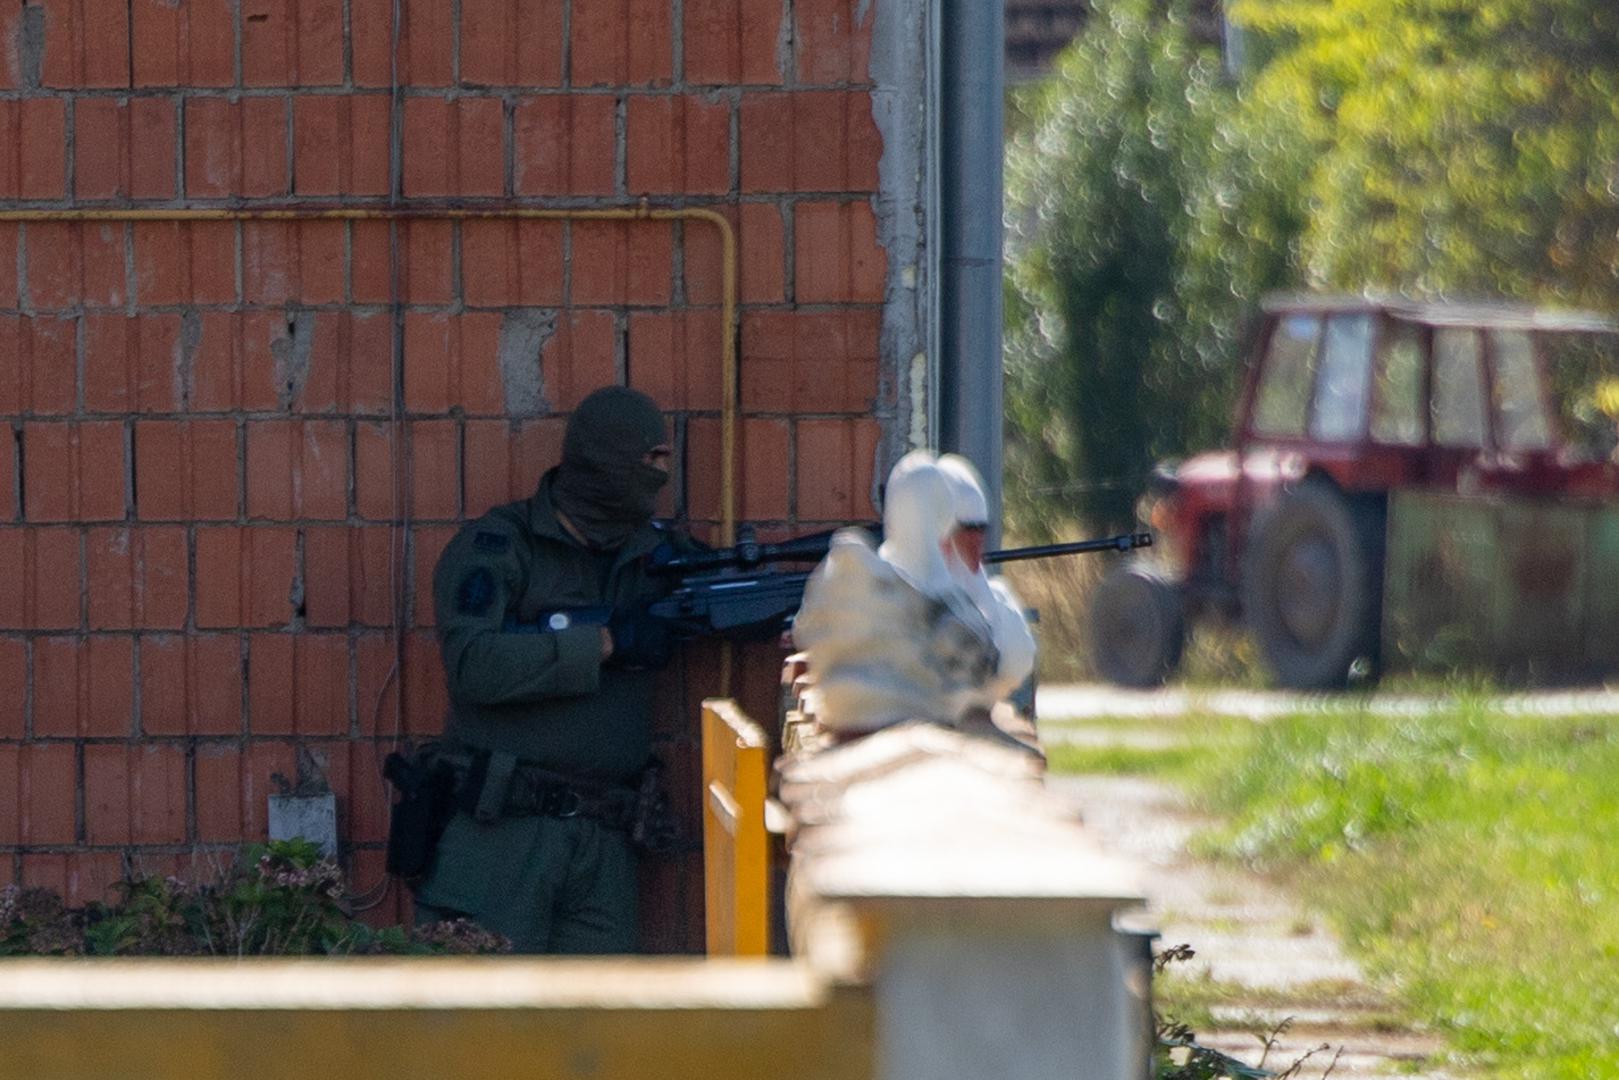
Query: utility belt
439,780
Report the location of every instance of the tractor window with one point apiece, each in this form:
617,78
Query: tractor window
1583,375
1397,412
1458,390
1346,371
1284,386
1520,421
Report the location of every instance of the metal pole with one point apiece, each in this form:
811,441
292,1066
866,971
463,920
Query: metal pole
972,72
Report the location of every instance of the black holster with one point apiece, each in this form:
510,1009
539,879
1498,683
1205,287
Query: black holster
426,786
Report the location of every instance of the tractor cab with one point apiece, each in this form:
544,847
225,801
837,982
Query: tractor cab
1356,412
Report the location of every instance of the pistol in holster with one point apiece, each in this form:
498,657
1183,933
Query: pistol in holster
426,784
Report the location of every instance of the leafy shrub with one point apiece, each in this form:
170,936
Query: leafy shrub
280,899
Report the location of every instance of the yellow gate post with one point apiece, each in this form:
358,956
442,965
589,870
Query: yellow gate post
736,860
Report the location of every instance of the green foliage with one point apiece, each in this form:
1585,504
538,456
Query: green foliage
1132,267
1428,147
280,899
1465,854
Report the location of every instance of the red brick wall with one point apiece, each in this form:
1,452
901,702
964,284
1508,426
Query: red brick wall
224,482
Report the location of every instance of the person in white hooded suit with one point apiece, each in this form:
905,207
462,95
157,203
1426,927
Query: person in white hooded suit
913,629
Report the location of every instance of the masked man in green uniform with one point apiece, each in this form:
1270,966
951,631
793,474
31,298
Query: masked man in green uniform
550,661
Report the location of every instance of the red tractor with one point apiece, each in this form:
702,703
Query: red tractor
1416,483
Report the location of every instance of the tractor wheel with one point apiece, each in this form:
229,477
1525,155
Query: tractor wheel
1137,627
1312,588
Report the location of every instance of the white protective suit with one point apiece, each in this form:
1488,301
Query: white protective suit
894,634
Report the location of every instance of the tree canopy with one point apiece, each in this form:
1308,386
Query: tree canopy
1432,147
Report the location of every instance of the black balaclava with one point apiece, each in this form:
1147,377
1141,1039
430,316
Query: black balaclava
603,486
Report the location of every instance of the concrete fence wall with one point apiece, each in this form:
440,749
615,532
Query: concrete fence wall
230,452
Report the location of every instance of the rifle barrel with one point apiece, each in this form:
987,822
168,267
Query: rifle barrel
1128,542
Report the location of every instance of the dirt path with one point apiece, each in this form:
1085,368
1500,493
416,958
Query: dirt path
1261,958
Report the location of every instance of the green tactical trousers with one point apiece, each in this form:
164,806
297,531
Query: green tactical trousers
549,885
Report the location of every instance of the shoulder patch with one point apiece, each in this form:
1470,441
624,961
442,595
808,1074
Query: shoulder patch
485,540
476,592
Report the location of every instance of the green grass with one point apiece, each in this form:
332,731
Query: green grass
1471,859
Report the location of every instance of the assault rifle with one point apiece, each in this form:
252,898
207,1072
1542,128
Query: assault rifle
714,598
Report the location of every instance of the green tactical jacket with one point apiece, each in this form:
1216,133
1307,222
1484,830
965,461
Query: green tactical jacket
545,697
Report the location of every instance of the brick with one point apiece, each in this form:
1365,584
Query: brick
427,544
622,263
678,145
452,362
566,145
236,148
764,468
83,686
186,470
318,43
191,684
377,476
325,382
341,145
454,147
10,245
158,31
69,265
581,356
429,269
153,132
46,364
101,149
730,42
86,45
11,77
297,469
181,263
834,469
504,460
47,786
107,816
320,133
74,472
218,779
268,32
429,43
369,356
9,510
245,577
814,362
703,265
132,364
836,254
157,793
356,776
840,121
137,578
376,685
210,33
832,45
269,262
326,575
13,705
765,134
47,596
674,356
621,43
435,469
511,42
371,41
370,269
322,258
298,684
509,263
762,243
422,680
267,340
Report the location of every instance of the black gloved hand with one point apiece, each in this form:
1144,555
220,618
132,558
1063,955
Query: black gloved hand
640,641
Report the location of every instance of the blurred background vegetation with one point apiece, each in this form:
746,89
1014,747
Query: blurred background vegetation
1161,181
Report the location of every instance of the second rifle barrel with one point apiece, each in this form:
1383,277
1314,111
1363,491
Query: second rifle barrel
1128,542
